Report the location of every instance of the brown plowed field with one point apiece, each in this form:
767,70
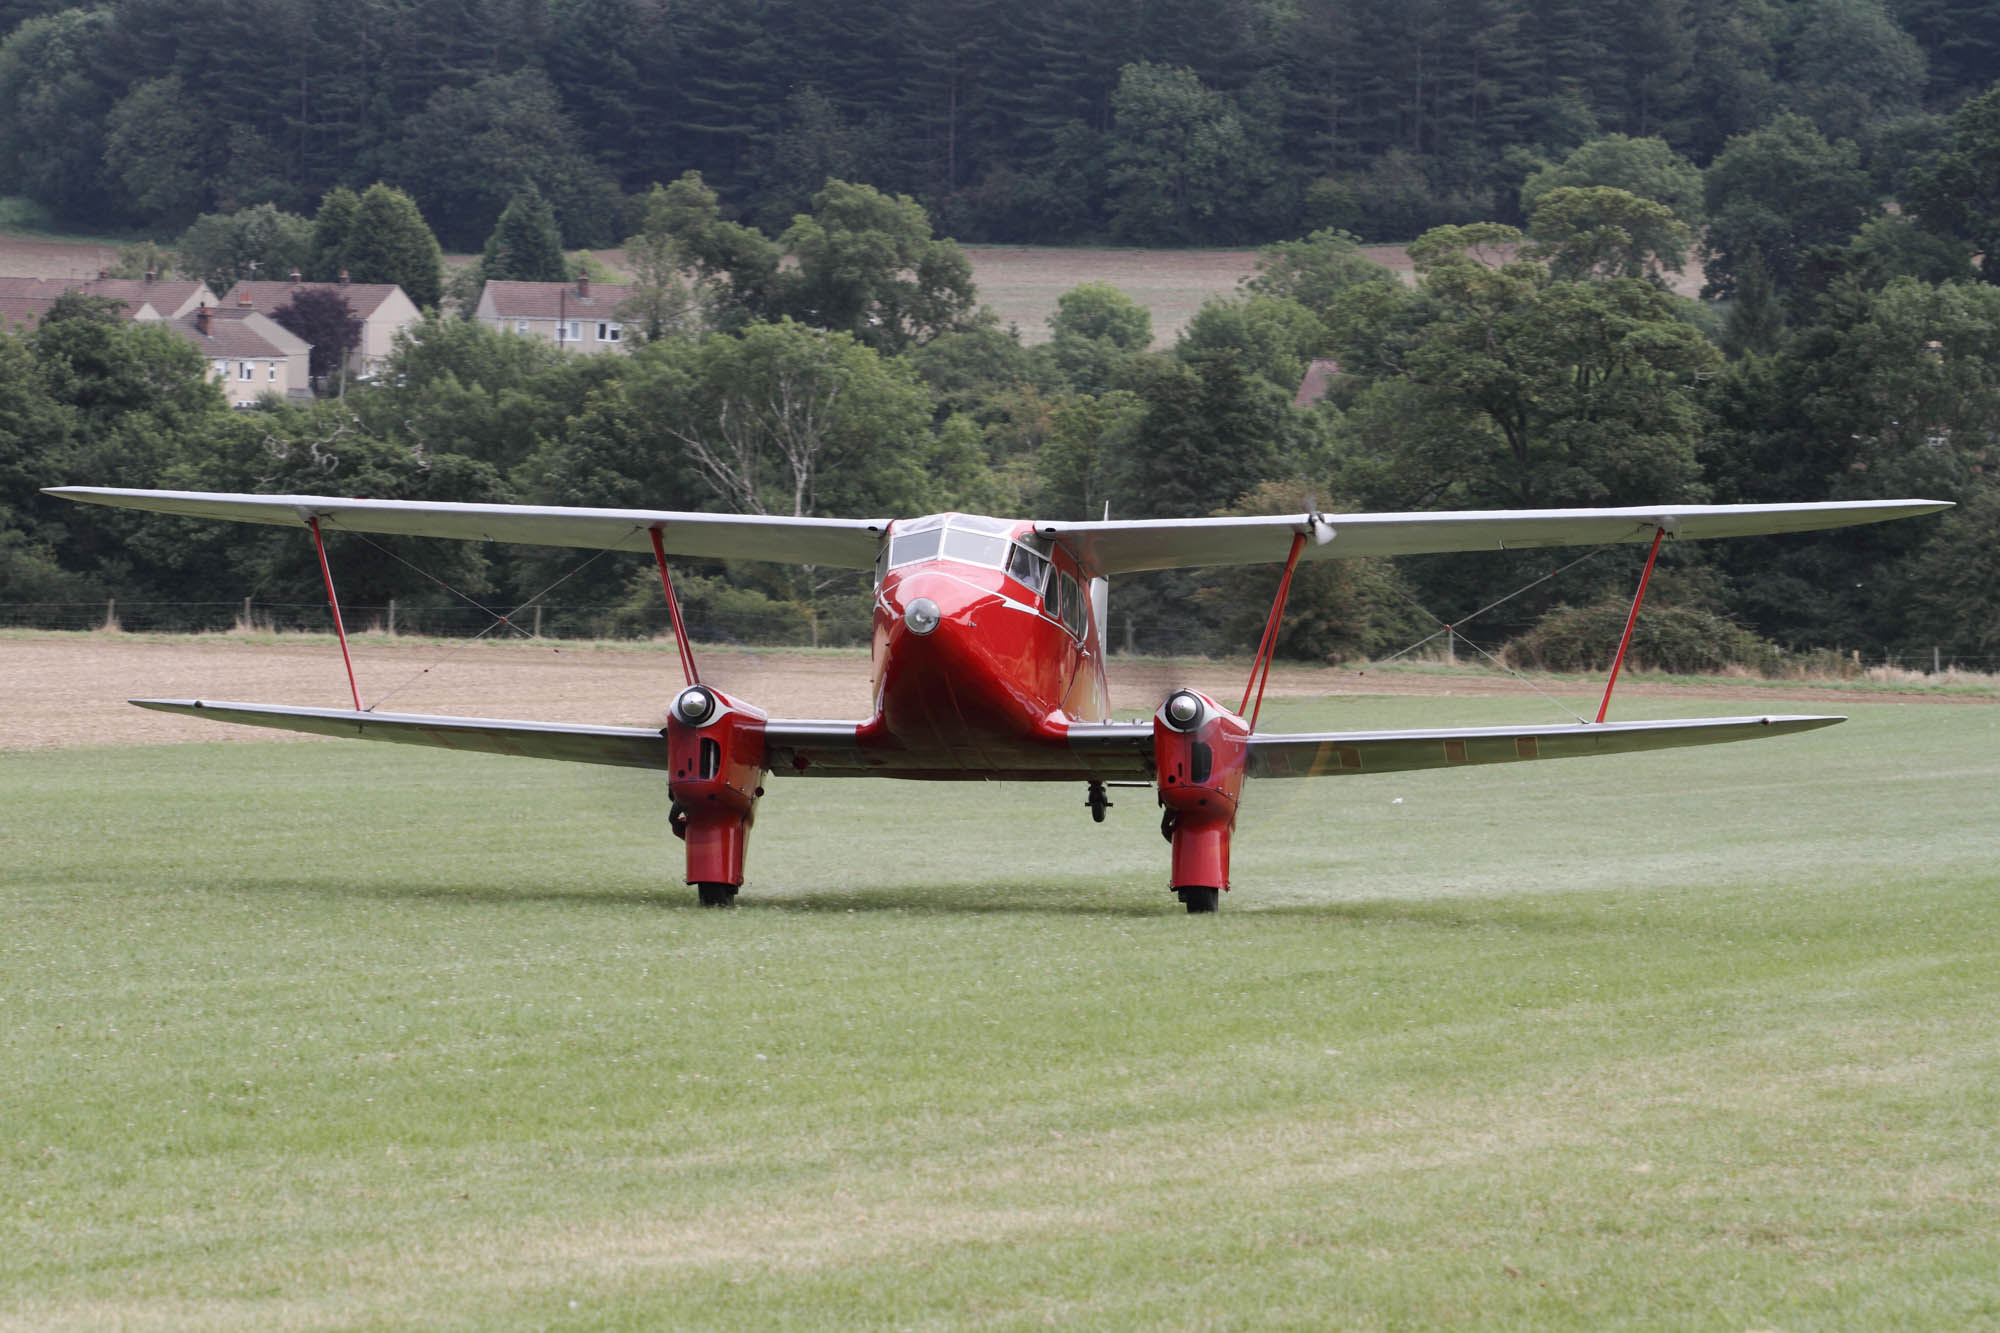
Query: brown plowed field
69,689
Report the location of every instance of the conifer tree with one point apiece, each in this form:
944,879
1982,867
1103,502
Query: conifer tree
526,245
390,243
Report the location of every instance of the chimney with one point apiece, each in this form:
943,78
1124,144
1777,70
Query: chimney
243,301
297,277
152,275
201,319
343,277
103,273
583,286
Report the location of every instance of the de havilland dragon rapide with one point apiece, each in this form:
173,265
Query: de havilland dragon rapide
989,655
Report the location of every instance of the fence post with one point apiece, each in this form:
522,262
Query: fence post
111,613
248,624
392,617
538,620
1937,662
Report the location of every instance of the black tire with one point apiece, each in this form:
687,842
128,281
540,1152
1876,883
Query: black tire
717,895
1200,898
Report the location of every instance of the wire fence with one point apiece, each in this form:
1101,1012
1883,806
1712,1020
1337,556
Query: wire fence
251,616
574,622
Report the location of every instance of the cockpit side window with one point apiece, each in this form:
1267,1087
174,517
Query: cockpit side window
1071,610
1028,566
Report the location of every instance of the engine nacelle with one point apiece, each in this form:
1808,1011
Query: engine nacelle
715,753
1200,750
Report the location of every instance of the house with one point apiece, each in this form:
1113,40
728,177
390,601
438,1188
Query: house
249,354
23,301
581,316
383,308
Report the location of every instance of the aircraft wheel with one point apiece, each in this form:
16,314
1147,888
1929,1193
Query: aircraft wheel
1200,898
718,895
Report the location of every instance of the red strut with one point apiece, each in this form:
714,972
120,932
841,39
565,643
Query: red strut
326,573
674,610
1267,647
1630,621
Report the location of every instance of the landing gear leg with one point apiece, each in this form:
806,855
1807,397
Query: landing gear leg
1097,801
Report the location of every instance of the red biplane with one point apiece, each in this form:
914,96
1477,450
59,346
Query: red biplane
989,656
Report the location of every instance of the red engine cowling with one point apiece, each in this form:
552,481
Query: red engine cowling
715,751
1199,753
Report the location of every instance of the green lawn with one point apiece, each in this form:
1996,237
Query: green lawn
347,1036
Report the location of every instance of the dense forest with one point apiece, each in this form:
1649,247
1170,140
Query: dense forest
806,342
1178,122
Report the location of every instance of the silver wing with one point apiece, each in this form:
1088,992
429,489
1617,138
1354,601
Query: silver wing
1100,751
1113,546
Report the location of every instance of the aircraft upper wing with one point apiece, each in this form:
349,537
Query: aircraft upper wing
845,543
1114,546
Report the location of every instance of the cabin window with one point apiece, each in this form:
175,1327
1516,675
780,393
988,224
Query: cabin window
975,548
1071,611
906,548
1028,566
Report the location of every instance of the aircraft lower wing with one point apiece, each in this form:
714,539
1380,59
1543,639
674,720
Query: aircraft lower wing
626,747
1095,751
1327,754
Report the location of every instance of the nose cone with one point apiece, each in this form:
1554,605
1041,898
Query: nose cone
951,679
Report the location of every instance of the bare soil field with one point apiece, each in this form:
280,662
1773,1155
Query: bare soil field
34,257
68,689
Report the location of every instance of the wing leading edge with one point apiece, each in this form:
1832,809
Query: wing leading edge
1096,751
1105,548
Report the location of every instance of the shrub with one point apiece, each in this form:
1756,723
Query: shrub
1672,638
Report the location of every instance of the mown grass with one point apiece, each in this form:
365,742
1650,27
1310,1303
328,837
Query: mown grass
340,1036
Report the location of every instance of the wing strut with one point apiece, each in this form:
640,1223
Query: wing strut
674,610
1267,648
1630,621
326,572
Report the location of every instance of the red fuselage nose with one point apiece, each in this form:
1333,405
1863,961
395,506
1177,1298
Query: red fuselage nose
964,668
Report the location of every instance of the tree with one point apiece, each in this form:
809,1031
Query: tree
736,267
1782,189
1097,329
661,303
1316,270
1277,338
471,150
222,249
1602,232
791,420
1649,168
1852,68
54,96
525,245
322,317
390,243
332,232
1181,163
868,265
1958,194
157,146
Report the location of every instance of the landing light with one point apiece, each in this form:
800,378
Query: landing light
1184,710
695,705
922,615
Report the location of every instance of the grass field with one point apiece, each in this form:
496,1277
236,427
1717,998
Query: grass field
340,1036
